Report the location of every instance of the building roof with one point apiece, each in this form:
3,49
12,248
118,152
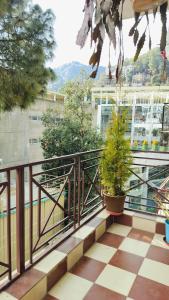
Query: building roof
52,96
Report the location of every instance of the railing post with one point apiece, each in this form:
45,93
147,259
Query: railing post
20,219
9,224
31,214
79,187
74,193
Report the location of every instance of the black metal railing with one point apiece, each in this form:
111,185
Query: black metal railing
42,203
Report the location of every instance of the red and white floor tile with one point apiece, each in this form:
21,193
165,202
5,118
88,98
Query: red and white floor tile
125,263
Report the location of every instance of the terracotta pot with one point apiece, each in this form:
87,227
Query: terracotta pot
114,203
143,5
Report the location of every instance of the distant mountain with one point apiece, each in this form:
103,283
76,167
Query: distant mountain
70,71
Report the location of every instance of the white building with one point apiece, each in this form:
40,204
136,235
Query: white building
144,105
21,130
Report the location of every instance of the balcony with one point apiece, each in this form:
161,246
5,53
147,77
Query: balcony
55,231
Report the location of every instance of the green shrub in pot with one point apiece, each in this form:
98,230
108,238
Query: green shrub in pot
115,162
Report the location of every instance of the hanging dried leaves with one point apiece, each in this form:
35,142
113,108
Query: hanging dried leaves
149,43
87,23
119,67
93,74
163,13
140,45
105,6
138,18
107,19
93,59
148,26
96,33
110,29
135,37
107,15
98,38
155,9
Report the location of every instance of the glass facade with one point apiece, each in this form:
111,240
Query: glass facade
144,121
165,120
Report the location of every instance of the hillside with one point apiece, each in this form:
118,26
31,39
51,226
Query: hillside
70,71
147,70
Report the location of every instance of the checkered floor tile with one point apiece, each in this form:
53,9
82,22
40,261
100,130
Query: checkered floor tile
125,263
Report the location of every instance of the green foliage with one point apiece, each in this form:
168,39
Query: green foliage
150,64
26,43
73,133
116,158
8,5
3,6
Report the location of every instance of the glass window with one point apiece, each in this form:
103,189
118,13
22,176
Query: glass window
35,118
34,140
97,101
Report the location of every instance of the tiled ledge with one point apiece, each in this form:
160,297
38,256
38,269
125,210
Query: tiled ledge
36,283
142,221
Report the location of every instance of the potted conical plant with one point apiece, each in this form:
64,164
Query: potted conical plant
155,145
115,162
135,145
145,145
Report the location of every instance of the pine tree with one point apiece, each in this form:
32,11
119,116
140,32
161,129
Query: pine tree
26,43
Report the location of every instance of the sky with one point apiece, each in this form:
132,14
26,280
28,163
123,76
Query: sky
69,16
